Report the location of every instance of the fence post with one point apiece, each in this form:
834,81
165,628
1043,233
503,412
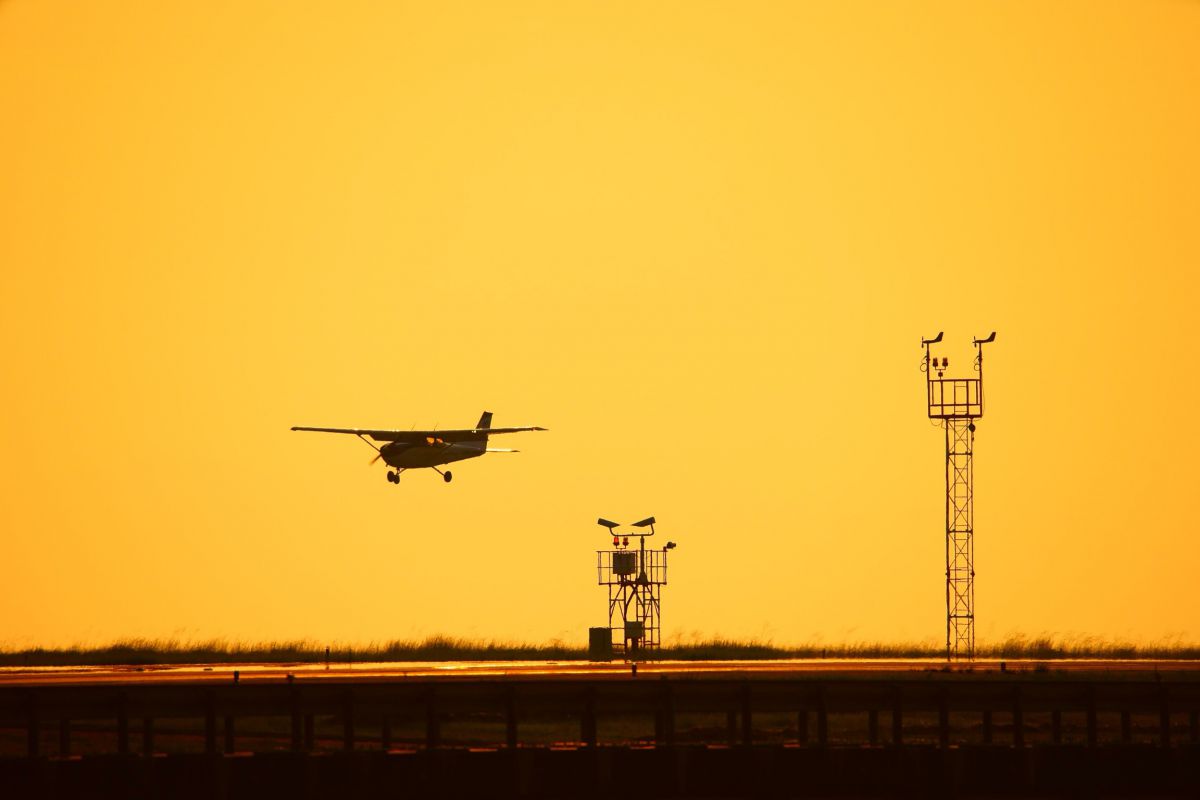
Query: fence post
987,726
1018,718
510,717
229,734
297,722
1056,726
64,737
587,720
210,723
802,726
348,720
822,718
433,734
747,715
122,725
667,709
943,719
1092,735
873,726
33,727
897,716
147,736
1164,717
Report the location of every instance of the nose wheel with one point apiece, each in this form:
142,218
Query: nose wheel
394,477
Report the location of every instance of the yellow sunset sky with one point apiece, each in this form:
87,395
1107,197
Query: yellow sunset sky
698,241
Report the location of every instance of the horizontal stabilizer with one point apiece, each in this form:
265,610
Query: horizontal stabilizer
501,450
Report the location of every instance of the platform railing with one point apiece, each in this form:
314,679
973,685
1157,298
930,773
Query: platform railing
955,398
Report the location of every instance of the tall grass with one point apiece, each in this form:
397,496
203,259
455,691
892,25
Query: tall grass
148,652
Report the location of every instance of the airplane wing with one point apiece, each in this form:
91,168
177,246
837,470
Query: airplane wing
420,436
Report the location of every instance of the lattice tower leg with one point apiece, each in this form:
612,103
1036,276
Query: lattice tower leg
648,610
960,539
618,601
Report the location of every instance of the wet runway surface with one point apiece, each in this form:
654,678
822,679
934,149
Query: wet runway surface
449,670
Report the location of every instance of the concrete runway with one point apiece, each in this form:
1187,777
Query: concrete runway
449,670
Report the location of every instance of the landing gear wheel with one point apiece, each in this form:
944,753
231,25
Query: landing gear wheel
393,477
446,476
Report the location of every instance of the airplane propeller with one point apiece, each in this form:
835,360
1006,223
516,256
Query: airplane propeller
378,455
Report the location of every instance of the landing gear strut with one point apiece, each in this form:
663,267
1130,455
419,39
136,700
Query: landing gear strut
446,476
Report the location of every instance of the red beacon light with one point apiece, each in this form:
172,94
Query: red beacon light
625,542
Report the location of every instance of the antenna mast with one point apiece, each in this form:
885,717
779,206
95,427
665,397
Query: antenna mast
958,402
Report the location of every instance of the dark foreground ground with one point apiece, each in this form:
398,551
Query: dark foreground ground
535,729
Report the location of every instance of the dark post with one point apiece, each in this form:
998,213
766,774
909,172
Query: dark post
310,732
147,736
385,732
1126,728
122,726
667,709
348,721
873,726
1056,726
587,720
943,720
1194,724
731,726
987,727
822,719
433,734
297,723
510,718
897,717
1018,719
210,724
747,716
33,732
1164,718
64,737
229,748
1091,716
802,726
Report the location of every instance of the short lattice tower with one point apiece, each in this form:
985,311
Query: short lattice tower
957,403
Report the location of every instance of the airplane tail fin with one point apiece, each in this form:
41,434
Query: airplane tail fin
485,421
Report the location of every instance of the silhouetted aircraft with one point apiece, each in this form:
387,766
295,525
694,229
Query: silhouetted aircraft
418,449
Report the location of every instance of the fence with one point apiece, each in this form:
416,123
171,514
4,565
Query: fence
298,716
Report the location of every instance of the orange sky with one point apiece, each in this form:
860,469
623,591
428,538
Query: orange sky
698,241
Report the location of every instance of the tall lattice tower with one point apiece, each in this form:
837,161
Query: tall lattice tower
634,578
958,402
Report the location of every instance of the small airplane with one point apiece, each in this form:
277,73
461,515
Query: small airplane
419,449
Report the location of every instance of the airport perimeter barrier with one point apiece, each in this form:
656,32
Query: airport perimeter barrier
368,713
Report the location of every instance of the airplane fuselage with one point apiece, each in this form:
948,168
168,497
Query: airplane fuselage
406,455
